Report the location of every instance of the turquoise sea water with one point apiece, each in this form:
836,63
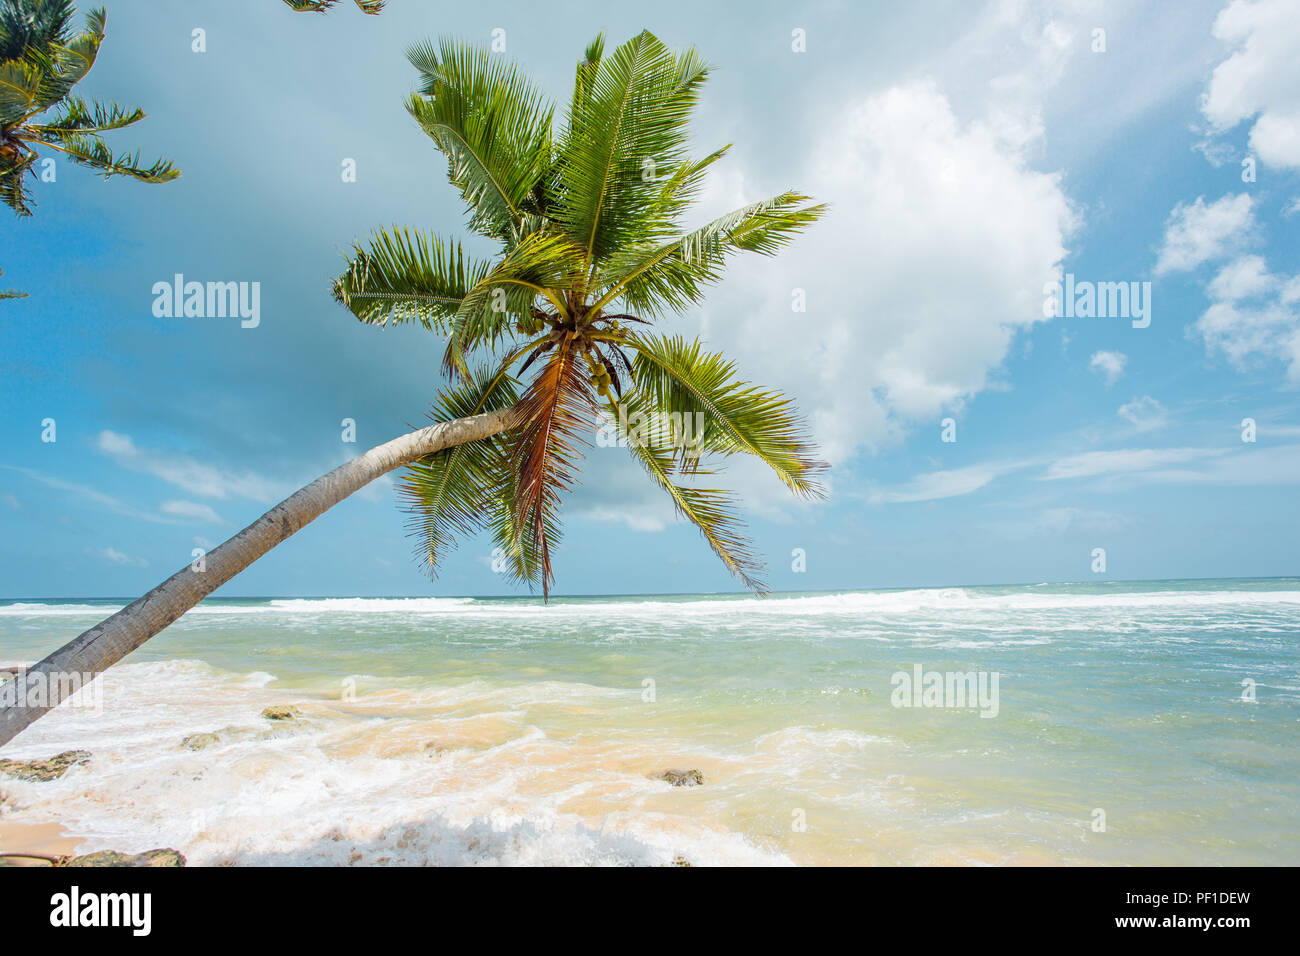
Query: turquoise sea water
457,730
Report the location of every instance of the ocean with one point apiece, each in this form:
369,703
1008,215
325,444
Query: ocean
1142,723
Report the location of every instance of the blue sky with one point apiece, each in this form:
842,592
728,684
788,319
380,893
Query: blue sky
972,154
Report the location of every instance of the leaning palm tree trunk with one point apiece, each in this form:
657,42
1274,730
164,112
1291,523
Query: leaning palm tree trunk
112,639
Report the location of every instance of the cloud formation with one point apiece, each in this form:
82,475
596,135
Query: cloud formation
1199,232
196,477
1260,80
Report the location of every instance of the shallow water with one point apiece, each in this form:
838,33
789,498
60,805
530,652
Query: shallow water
456,730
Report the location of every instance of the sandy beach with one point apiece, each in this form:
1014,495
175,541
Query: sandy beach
41,839
495,732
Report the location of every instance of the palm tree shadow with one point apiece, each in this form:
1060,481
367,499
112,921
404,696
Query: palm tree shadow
436,841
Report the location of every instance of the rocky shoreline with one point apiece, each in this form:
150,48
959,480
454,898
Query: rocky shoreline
28,845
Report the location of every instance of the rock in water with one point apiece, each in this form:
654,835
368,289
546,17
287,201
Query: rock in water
40,770
113,858
199,741
281,712
682,778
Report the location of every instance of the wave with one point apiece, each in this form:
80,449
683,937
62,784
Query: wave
889,603
345,783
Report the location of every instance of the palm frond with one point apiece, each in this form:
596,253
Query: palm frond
13,186
558,414
321,6
635,112
723,415
87,149
666,278
66,64
26,27
534,268
450,493
11,293
408,276
20,89
492,124
80,117
711,510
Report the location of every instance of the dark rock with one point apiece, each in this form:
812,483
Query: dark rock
682,778
281,712
113,858
41,770
199,741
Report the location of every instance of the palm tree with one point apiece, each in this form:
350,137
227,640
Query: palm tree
40,63
320,6
590,257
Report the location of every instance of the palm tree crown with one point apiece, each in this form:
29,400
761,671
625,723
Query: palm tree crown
40,62
322,6
591,256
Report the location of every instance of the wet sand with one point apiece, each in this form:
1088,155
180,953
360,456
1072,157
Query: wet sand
43,839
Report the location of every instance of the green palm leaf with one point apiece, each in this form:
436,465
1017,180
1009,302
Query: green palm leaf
408,276
11,293
450,494
493,126
671,276
89,150
13,187
81,117
40,63
635,112
321,6
701,389
533,269
711,510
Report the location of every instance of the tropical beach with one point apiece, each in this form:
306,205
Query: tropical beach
677,437
460,731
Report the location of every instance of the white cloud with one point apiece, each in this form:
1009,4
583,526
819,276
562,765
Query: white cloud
195,477
1235,464
636,518
113,556
935,485
1254,316
1095,464
1241,279
1198,233
1110,365
190,509
1261,79
84,494
1145,414
935,252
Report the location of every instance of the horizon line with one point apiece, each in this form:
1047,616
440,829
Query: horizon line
611,594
